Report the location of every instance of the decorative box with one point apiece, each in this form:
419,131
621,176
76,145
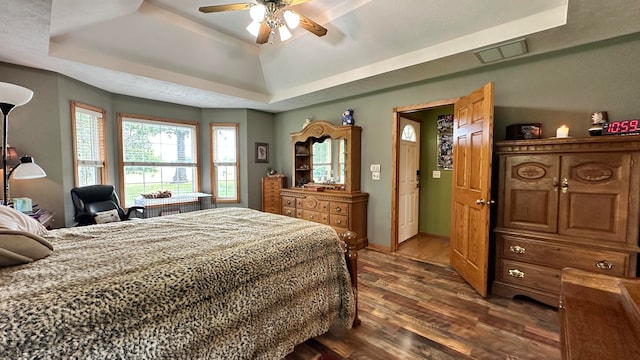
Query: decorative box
524,131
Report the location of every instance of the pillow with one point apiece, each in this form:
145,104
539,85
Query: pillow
20,247
12,219
108,216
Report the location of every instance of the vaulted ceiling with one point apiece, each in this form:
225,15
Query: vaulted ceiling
169,51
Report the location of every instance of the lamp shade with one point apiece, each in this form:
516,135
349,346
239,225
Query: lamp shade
254,28
257,12
27,169
292,19
14,95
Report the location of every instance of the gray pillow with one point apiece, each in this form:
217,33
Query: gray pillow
20,247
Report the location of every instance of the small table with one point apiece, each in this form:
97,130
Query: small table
44,217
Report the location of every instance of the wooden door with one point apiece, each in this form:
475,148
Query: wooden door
408,188
471,193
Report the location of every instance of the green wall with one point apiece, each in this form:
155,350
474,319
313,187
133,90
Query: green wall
435,194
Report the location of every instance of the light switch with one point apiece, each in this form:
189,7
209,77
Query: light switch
375,167
436,174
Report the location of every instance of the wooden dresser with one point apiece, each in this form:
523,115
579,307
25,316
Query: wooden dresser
340,204
565,203
271,186
342,210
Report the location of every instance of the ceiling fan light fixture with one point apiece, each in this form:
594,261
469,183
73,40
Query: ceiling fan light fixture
254,28
292,19
285,34
257,12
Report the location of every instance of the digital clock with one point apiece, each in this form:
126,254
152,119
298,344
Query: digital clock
623,127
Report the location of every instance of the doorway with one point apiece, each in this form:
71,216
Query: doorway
429,241
471,161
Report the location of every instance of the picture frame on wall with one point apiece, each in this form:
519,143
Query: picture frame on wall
445,124
445,152
262,152
445,142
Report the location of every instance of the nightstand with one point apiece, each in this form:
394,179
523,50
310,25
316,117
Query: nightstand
44,217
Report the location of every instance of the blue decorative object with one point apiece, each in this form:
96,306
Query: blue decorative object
347,117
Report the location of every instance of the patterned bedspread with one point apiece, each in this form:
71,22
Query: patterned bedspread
229,283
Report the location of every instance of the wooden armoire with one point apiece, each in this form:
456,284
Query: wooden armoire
571,202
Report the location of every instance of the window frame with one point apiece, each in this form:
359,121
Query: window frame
153,119
214,182
102,163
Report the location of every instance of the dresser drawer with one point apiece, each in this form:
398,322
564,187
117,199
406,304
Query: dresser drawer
272,209
271,186
289,202
339,220
312,203
339,208
532,276
315,216
561,256
288,211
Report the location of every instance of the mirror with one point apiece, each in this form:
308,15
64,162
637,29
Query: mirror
327,156
328,161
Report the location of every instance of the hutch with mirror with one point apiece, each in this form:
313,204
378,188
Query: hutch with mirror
325,180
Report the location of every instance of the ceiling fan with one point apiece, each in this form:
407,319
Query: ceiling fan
269,16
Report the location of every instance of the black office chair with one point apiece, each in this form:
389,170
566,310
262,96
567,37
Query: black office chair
92,199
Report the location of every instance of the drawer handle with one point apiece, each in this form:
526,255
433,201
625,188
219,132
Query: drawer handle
517,249
338,208
310,216
565,185
338,222
288,212
516,273
604,265
288,202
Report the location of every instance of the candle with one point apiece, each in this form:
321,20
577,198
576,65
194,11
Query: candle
562,132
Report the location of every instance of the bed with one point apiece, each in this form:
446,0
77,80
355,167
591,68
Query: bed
228,283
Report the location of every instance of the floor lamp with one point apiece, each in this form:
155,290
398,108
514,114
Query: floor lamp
11,96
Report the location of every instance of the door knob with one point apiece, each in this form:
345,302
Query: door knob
480,202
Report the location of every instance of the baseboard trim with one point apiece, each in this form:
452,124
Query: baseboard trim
380,248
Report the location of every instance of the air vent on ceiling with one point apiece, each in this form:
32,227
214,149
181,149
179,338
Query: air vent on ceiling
502,51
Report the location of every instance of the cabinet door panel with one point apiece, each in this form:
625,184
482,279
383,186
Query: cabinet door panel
594,201
531,192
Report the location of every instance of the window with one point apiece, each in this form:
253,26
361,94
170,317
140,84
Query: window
157,155
88,136
409,134
225,167
322,161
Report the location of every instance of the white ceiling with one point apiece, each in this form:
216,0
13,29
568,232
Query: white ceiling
167,50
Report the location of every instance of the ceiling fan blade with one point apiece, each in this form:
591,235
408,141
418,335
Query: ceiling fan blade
228,7
263,35
295,2
312,26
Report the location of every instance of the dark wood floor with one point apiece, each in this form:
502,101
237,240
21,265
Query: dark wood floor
416,310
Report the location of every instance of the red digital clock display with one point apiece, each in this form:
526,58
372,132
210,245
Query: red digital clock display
623,127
